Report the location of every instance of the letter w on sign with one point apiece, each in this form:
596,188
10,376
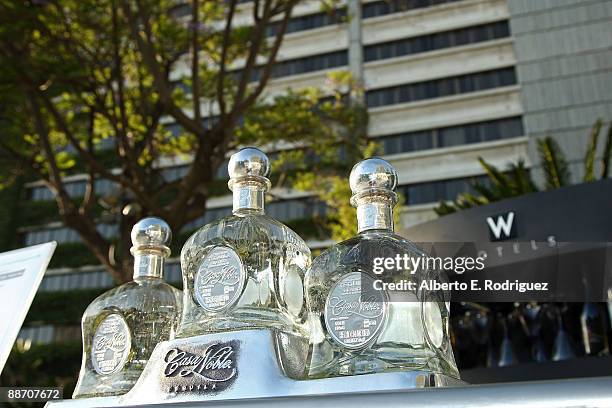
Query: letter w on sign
502,226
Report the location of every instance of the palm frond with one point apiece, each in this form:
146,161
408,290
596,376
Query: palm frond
589,158
444,208
605,160
468,200
522,182
553,163
500,181
485,191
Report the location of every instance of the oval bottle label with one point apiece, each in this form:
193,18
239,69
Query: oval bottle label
111,345
354,318
219,280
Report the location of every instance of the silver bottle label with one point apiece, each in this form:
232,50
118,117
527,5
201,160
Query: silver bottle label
111,345
354,317
219,280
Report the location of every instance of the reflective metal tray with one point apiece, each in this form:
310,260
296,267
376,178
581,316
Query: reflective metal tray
246,365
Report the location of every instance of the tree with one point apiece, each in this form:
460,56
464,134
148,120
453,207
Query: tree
78,75
517,180
329,138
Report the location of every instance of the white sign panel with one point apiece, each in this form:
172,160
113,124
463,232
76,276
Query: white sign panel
21,271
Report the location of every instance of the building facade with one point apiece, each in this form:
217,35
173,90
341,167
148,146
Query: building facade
564,62
446,82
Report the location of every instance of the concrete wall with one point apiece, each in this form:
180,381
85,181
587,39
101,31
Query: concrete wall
564,53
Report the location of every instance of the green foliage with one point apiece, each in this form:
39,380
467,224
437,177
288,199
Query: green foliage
516,180
43,365
605,161
589,158
553,163
79,77
513,182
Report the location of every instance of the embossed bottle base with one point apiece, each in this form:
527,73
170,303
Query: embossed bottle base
244,318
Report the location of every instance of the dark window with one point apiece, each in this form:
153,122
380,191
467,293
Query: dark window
302,65
480,132
407,142
309,22
452,136
311,63
380,8
434,191
440,87
436,41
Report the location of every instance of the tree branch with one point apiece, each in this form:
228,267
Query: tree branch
267,71
225,44
138,182
90,191
84,225
144,41
195,60
254,50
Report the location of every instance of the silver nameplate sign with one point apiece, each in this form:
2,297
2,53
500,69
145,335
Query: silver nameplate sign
207,369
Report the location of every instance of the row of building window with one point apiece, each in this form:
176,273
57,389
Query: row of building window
99,278
440,87
281,210
293,209
307,64
171,174
106,187
74,189
323,19
384,7
439,190
408,46
368,10
285,210
452,136
437,41
308,22
66,235
392,144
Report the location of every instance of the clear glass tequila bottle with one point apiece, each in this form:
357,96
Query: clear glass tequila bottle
356,328
246,270
122,326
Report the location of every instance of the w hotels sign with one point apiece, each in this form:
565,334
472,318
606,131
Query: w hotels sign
502,226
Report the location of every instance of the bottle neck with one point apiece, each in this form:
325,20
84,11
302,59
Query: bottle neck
147,264
248,197
375,215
